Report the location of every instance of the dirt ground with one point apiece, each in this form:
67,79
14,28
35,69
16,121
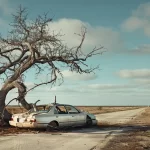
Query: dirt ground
138,138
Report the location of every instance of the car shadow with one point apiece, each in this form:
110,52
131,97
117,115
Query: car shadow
98,129
103,129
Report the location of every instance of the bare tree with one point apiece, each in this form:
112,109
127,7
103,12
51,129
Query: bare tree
30,44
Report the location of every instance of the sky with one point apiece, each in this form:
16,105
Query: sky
122,27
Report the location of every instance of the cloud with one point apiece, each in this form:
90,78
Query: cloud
64,89
142,81
139,19
77,76
142,49
96,35
132,23
137,73
29,84
110,86
100,89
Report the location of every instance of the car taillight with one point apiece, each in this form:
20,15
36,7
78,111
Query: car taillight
11,119
33,120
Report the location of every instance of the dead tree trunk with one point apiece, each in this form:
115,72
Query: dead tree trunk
4,114
22,92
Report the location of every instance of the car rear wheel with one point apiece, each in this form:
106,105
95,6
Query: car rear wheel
52,126
88,121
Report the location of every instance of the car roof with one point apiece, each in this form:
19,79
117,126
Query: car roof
54,104
58,104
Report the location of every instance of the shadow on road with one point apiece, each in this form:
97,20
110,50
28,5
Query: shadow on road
99,129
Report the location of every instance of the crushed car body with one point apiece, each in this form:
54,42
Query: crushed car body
53,116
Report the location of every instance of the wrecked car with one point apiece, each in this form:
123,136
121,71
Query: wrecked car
53,116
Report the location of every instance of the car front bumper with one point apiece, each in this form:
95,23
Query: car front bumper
94,122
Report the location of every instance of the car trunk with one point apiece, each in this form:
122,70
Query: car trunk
23,117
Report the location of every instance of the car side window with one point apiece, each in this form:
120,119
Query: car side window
72,110
61,109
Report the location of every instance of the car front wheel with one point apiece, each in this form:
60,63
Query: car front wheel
88,121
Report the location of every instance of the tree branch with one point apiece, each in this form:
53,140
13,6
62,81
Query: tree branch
40,48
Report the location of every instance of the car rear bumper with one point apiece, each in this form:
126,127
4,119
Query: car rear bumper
26,124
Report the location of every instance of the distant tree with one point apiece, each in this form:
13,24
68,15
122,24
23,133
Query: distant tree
29,44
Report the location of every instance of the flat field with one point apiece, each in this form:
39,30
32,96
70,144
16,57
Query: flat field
90,109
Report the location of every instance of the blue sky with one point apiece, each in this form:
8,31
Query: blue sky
122,27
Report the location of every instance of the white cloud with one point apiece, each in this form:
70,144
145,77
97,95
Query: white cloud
137,73
95,36
139,19
142,49
97,88
142,81
64,89
29,84
132,23
77,76
110,86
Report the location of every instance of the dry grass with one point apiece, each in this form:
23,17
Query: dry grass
90,109
13,130
104,109
136,139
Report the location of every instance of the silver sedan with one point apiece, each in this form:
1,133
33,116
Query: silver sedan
53,116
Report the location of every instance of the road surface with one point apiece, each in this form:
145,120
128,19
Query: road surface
82,139
119,117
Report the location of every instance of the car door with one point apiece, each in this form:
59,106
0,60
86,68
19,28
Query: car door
75,116
61,115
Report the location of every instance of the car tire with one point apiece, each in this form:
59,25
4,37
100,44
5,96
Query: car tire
88,121
52,126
